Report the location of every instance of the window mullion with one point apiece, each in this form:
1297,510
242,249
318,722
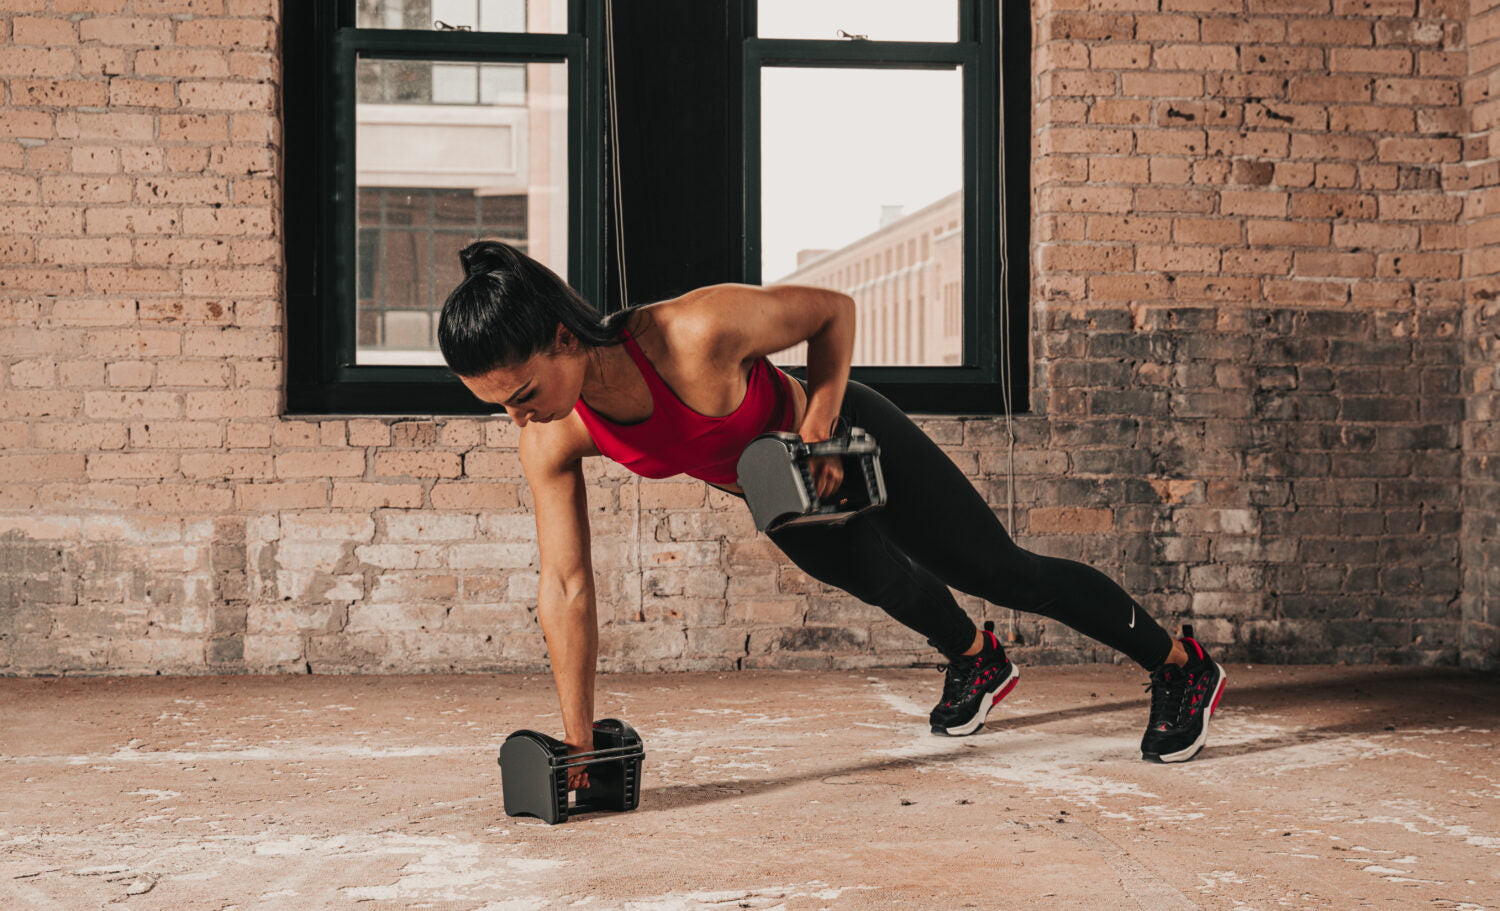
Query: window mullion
864,54
398,44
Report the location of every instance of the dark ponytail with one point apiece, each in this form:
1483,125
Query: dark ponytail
507,309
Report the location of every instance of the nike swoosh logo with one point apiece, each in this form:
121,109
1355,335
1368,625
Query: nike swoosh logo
1132,616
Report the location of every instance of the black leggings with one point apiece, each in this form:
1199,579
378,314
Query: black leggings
936,531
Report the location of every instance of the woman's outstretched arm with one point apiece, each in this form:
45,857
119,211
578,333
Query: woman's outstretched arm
566,603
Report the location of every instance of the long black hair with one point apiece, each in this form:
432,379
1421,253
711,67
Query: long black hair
507,309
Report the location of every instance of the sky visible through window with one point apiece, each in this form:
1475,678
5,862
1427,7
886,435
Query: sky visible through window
837,145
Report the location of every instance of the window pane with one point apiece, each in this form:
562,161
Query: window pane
477,15
395,82
862,192
432,178
455,83
877,20
502,83
421,82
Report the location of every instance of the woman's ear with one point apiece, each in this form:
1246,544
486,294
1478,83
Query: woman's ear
564,342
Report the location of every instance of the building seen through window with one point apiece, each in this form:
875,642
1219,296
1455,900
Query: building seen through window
448,151
906,281
862,192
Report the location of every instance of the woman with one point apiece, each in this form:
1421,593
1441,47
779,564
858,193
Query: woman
682,386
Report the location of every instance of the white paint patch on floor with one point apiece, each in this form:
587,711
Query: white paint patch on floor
1434,827
897,702
446,870
1278,761
290,753
1240,728
1215,878
153,795
1048,762
761,898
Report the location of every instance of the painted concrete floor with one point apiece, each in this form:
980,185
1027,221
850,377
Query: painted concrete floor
1321,787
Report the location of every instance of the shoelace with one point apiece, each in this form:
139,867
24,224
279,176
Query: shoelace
960,679
1169,688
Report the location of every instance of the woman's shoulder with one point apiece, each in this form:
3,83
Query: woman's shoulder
692,322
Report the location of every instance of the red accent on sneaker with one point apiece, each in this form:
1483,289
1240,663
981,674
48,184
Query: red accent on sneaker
1005,692
1196,646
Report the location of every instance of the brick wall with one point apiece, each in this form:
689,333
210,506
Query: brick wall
140,327
1250,301
1253,359
1480,602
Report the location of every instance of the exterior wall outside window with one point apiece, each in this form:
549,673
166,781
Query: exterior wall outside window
441,131
898,328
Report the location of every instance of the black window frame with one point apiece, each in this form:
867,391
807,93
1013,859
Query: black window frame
320,54
996,169
685,109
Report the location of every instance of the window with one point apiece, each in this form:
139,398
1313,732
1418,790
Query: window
479,143
872,135
415,127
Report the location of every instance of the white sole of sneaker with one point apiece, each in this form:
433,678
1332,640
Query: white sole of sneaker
1192,750
977,721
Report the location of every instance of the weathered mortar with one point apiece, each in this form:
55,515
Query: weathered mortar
1480,599
1264,347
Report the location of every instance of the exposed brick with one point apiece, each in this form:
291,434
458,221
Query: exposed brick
320,465
418,464
1265,310
194,7
142,93
273,497
33,62
1070,521
376,496
1161,85
193,128
369,433
54,93
52,466
126,31
482,495
224,33
220,96
43,32
237,404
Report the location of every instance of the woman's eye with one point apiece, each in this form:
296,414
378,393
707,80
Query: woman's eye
525,398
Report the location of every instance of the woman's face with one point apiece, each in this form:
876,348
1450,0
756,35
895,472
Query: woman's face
543,388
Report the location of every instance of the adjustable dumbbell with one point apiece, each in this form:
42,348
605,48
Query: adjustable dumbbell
776,475
534,773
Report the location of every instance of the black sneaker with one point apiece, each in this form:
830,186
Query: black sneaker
972,686
1182,701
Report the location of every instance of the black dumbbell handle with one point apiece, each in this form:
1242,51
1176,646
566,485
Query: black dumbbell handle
839,447
578,759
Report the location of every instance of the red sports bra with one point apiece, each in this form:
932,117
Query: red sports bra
675,439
